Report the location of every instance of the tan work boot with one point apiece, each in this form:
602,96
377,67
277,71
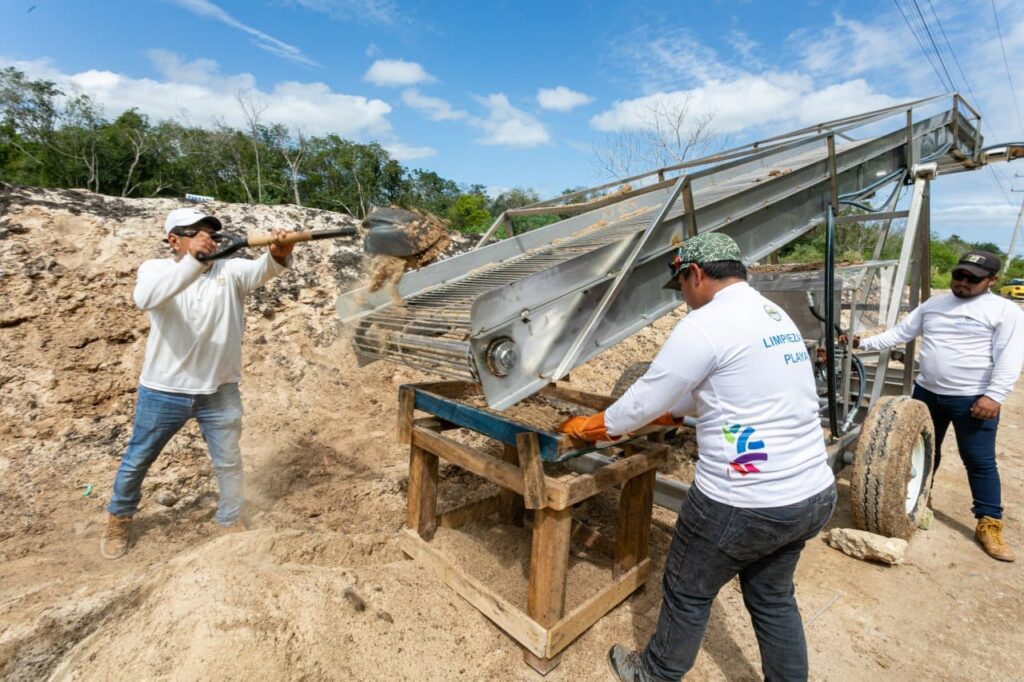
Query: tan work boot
115,538
990,534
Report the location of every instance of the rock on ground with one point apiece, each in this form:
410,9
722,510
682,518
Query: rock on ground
861,544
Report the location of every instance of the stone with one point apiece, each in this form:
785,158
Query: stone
867,546
166,498
926,520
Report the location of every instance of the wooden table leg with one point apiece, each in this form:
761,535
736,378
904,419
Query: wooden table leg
511,502
406,412
422,495
549,566
633,528
534,490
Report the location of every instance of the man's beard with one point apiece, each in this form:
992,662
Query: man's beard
967,294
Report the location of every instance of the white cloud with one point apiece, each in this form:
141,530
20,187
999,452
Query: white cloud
404,152
200,92
561,98
375,11
850,47
395,72
508,126
435,108
743,44
205,8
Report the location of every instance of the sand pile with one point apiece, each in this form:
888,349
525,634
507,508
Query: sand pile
325,478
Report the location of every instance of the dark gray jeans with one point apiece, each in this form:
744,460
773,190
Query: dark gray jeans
714,542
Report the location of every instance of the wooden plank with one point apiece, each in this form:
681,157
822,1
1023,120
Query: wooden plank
489,424
542,665
589,612
502,613
587,485
511,503
422,495
534,491
633,529
434,424
549,563
485,466
591,400
467,513
474,461
406,411
449,389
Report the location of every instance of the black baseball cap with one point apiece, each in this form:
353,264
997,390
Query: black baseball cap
980,263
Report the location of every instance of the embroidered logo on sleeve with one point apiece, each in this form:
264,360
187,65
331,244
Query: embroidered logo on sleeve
739,436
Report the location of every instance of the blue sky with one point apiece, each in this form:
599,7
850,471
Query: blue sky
521,93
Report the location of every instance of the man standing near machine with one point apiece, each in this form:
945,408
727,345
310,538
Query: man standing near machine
193,363
972,349
763,486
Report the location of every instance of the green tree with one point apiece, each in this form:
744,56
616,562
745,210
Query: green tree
428,191
469,214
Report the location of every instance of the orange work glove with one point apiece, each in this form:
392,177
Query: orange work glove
666,420
587,428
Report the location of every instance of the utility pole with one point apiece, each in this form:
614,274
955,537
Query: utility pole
1013,239
1016,230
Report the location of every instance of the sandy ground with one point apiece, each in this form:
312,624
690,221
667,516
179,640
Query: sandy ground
318,588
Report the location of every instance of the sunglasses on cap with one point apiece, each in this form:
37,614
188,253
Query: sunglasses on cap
964,276
677,267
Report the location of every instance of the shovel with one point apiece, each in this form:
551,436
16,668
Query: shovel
230,243
392,232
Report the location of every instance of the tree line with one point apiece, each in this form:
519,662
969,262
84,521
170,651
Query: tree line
49,138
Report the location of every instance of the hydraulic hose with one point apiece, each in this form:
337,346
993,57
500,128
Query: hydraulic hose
830,321
812,306
862,378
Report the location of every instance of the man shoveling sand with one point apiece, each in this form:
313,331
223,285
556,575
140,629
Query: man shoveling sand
193,363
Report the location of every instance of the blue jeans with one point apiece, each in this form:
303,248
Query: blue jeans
976,440
158,416
714,542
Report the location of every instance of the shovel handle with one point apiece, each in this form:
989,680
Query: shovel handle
305,236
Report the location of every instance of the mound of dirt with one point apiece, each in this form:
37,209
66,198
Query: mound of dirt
319,449
319,590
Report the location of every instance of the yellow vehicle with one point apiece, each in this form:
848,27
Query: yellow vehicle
1013,289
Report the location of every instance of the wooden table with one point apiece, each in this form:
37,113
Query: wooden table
545,630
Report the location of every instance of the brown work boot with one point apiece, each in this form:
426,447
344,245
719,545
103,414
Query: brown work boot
990,534
116,536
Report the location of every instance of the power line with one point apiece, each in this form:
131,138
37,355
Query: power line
949,47
931,39
948,81
1006,65
966,81
920,44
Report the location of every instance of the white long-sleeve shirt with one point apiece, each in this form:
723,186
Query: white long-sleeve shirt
969,346
196,320
741,365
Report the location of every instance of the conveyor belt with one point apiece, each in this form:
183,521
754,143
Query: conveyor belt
530,297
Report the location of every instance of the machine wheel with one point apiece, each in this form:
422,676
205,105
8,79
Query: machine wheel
892,467
628,378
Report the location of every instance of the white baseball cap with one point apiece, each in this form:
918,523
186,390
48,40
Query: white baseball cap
183,217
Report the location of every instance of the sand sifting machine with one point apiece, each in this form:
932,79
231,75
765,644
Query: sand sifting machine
506,321
517,314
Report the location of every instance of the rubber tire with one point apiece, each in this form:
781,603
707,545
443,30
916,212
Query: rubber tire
629,377
882,467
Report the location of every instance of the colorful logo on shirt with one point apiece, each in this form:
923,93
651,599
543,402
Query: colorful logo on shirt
773,312
739,436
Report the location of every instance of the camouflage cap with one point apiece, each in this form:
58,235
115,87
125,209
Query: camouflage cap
704,248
